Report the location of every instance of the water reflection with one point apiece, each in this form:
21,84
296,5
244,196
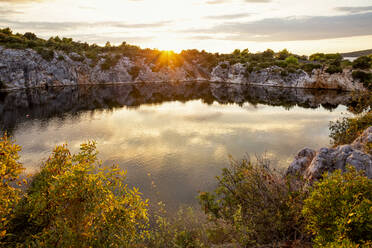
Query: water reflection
180,134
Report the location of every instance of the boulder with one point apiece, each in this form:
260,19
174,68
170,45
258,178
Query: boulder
312,165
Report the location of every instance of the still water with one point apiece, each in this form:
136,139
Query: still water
178,136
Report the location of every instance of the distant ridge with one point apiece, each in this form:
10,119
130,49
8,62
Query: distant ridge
357,53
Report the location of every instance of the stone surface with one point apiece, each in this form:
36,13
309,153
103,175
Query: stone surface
357,154
21,69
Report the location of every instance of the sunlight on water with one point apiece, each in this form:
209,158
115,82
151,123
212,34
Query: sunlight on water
182,145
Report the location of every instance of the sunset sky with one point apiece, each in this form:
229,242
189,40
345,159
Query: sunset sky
303,27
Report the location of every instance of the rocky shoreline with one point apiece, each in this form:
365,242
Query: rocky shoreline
25,68
311,164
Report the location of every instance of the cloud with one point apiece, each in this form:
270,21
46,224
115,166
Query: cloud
228,17
247,1
7,12
293,28
114,38
19,1
354,9
67,26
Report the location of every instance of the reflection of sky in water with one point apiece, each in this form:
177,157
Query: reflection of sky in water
182,145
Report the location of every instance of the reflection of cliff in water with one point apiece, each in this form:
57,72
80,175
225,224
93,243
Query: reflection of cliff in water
19,106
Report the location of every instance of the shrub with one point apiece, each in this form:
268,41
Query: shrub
332,69
10,169
61,57
363,62
281,63
109,62
310,67
134,72
46,54
257,205
30,36
346,130
291,60
75,202
338,209
77,57
185,229
283,54
223,66
363,77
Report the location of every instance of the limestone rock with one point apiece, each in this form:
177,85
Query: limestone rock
21,69
331,159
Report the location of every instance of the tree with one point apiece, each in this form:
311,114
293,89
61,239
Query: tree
30,36
10,169
283,54
268,53
363,62
76,202
338,209
291,60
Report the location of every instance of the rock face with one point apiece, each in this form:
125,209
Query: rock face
311,164
20,69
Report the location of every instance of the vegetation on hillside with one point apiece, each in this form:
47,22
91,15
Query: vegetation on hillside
109,55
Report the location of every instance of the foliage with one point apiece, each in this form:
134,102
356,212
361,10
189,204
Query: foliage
134,72
283,54
360,102
257,205
363,77
75,202
110,62
76,57
334,69
10,169
339,209
46,54
363,62
309,67
346,130
291,60
185,230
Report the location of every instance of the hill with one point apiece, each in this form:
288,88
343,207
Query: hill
357,53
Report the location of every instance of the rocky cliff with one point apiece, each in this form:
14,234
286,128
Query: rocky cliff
25,68
312,164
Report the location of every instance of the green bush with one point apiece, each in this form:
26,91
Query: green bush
186,229
75,202
363,77
338,210
256,204
363,62
309,67
109,62
291,60
46,54
346,130
332,69
282,55
281,63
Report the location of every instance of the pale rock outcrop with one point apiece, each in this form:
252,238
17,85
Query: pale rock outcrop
313,165
21,69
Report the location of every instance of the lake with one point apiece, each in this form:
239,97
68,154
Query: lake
176,136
